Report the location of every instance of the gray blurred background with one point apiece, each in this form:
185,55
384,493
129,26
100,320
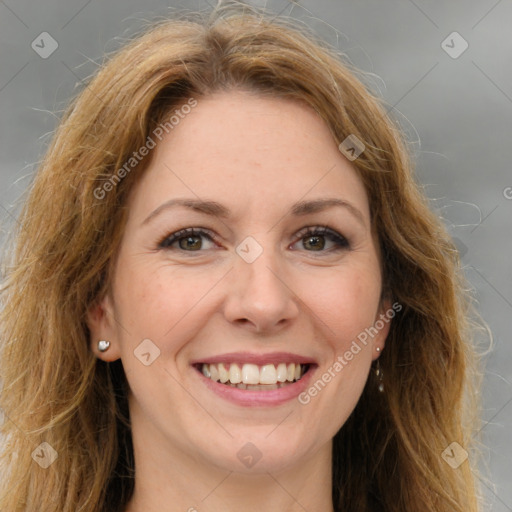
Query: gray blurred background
451,92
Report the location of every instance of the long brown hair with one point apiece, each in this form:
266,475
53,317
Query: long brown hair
388,455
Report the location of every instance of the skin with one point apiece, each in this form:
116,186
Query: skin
257,156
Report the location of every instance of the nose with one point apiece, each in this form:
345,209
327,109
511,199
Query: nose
260,297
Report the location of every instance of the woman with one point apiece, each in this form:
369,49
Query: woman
227,292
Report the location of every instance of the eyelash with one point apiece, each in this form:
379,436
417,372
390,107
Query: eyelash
341,242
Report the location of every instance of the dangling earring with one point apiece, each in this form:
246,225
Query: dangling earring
103,345
379,374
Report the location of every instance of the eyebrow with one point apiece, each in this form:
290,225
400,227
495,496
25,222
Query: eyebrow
215,209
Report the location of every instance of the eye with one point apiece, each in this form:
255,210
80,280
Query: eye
315,238
188,239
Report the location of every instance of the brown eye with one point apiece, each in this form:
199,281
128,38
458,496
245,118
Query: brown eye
315,239
189,240
315,242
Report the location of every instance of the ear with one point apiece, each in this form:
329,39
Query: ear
382,323
102,326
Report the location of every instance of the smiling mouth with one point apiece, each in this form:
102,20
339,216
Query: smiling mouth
254,377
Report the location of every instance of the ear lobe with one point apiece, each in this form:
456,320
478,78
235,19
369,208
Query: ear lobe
99,319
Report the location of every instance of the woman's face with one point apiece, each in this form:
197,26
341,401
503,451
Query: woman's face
273,281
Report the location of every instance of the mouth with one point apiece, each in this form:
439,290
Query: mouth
256,380
254,377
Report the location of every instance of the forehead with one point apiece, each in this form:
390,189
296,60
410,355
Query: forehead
254,154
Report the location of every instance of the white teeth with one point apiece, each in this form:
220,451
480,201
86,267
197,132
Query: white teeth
268,374
290,373
252,376
223,374
214,372
281,372
235,374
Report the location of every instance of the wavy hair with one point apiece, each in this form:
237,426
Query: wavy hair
388,455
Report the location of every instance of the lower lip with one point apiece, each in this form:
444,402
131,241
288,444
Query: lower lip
251,398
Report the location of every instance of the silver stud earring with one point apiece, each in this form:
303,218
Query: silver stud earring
103,345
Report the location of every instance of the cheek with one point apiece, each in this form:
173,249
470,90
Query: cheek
160,303
346,302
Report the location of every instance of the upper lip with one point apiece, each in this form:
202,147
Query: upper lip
258,359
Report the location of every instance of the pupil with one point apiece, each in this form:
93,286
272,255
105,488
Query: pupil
317,239
190,241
